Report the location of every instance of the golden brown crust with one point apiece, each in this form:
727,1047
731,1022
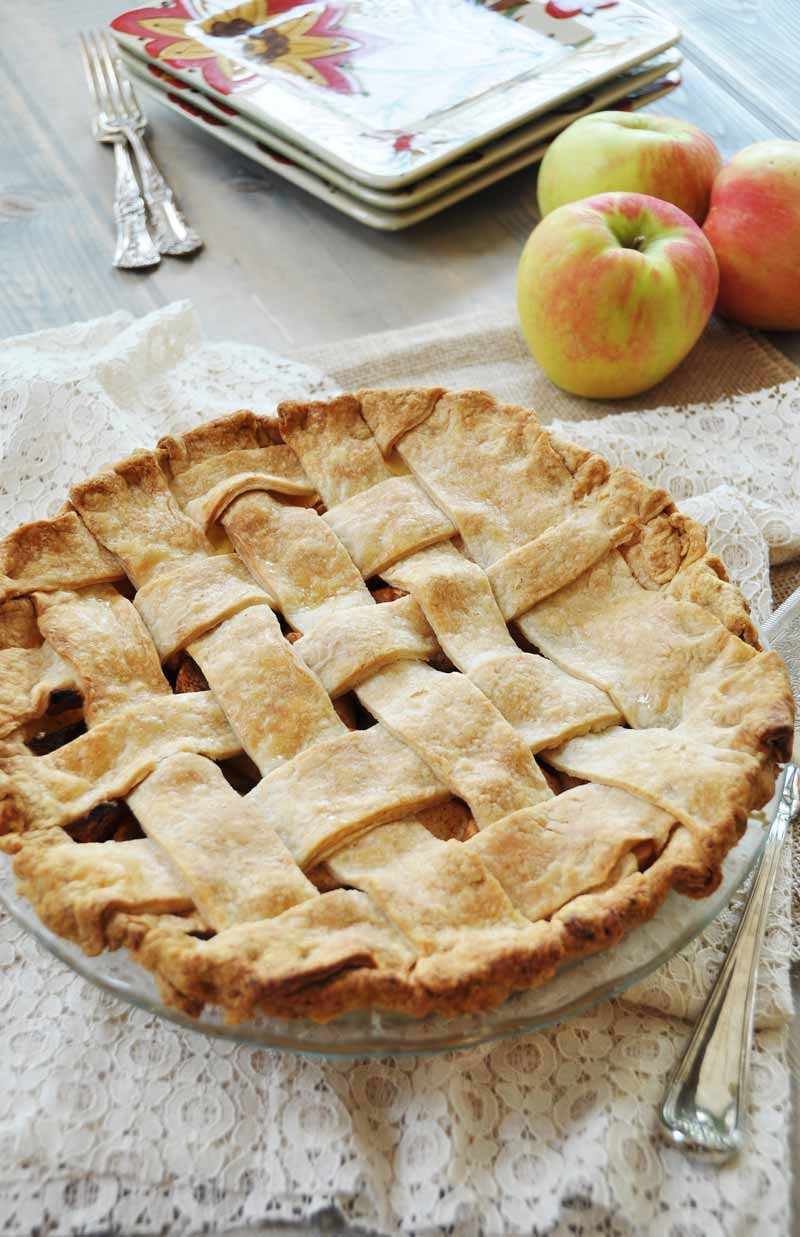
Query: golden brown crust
529,573
18,627
239,431
669,553
29,678
131,508
390,414
664,545
705,582
421,905
190,975
341,455
58,553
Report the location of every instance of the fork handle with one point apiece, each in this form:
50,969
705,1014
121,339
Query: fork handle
704,1107
172,233
134,243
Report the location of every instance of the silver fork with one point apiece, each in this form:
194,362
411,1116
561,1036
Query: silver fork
172,233
704,1109
134,244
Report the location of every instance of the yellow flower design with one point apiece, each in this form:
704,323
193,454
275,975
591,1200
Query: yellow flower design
312,44
296,46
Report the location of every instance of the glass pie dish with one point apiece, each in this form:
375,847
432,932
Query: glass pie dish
575,988
405,852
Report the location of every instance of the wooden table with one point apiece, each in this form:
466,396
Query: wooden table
280,269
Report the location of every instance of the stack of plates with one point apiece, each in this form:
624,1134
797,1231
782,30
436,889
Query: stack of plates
392,110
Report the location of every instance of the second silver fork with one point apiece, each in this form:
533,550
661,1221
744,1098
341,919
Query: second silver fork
122,117
172,233
135,246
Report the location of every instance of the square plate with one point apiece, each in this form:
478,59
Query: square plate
200,110
467,168
361,84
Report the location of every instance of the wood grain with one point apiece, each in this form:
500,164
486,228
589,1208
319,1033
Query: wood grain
279,268
749,46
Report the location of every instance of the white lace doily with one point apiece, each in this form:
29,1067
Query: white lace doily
749,444
99,390
113,1120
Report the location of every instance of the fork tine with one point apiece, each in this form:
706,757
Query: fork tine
128,92
109,72
104,101
88,72
123,78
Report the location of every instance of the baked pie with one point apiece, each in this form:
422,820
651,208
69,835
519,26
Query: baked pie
398,701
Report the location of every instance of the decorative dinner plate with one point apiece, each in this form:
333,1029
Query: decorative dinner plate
573,990
619,92
389,90
200,111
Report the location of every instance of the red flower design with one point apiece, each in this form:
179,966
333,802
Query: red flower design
574,8
167,77
195,111
403,142
312,45
162,27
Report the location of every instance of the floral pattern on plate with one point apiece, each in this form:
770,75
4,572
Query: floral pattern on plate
311,44
161,28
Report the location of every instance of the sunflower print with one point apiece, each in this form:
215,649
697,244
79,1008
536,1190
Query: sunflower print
311,45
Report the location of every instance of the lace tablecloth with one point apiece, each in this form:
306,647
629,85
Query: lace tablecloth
111,1119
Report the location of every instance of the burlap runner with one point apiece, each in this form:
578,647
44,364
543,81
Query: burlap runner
487,350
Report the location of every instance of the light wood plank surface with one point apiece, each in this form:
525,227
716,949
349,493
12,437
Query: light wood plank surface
751,47
279,268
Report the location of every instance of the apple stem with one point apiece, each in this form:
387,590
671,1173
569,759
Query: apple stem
639,243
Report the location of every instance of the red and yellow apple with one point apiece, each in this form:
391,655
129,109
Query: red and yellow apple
613,292
630,153
754,229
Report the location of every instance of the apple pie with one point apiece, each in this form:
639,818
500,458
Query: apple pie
396,701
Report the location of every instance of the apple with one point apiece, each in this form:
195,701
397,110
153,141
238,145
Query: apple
632,153
613,292
754,229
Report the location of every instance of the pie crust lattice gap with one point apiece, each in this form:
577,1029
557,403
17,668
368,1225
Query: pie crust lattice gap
507,810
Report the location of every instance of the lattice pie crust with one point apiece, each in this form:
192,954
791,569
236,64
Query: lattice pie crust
420,803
